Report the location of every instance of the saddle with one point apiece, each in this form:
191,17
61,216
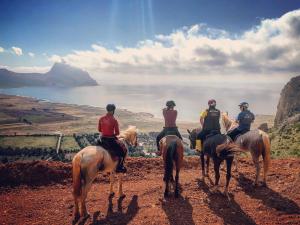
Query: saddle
110,150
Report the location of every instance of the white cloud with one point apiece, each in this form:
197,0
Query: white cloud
17,51
269,48
55,58
27,69
1,49
31,54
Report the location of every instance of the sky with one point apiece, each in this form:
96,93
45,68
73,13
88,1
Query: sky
123,38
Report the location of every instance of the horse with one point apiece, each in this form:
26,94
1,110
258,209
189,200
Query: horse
220,148
255,141
93,159
171,148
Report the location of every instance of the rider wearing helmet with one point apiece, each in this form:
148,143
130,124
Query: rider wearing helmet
210,121
170,128
109,128
244,119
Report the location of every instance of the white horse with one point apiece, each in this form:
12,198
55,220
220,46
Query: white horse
257,142
91,160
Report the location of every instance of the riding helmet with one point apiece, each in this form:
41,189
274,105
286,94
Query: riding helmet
110,107
212,102
170,103
244,104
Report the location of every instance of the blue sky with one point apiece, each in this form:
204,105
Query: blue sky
57,27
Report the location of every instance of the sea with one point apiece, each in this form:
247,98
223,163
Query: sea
190,99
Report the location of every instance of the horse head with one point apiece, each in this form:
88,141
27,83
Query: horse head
130,135
193,136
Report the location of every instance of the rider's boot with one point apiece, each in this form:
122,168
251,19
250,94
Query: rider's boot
120,167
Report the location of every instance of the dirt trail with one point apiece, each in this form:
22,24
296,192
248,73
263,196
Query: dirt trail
51,202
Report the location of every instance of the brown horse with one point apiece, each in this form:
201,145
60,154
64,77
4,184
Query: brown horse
91,160
257,142
171,148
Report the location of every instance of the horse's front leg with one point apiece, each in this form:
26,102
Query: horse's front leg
228,174
120,186
217,164
202,164
112,181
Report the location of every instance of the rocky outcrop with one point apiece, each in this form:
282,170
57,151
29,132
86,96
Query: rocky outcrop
289,102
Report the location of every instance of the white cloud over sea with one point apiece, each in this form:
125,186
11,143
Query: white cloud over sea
272,47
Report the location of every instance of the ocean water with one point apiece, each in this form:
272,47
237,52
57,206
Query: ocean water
190,100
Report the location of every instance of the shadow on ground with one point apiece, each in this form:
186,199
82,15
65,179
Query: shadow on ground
178,210
226,208
269,197
118,217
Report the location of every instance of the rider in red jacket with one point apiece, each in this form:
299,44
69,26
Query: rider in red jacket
109,128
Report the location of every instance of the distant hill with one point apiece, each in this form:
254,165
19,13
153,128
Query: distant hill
60,75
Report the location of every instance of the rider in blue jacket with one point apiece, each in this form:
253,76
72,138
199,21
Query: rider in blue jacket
244,120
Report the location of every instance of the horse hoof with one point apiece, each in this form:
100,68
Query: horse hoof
112,194
166,194
176,195
76,218
264,184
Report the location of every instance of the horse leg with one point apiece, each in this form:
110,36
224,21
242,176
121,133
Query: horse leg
207,166
120,189
76,209
177,183
85,190
166,194
202,165
228,174
257,167
235,160
217,164
111,186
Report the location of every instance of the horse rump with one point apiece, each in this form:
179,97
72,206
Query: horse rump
170,156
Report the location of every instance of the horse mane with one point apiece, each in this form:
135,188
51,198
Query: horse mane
128,132
228,123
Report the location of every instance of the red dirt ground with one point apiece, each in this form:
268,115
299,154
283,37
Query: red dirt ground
40,193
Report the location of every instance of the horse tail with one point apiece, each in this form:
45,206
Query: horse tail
227,150
77,177
171,154
266,153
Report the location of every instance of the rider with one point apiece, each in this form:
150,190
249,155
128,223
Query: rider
244,119
170,115
109,128
210,122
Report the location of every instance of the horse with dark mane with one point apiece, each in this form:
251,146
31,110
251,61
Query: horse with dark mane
219,147
257,142
171,148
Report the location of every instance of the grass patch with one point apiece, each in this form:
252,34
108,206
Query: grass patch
28,142
69,143
286,142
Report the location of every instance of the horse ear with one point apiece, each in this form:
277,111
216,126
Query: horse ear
188,131
227,113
